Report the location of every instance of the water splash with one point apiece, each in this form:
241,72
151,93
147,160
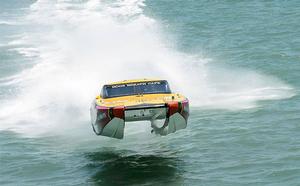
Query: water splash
81,46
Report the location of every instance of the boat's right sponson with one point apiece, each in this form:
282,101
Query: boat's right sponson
111,121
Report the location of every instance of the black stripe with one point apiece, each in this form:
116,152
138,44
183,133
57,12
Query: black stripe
145,106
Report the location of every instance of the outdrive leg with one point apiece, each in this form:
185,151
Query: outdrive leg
159,130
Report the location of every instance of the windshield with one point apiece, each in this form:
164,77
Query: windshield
151,87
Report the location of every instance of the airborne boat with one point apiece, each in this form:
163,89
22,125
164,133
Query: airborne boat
138,100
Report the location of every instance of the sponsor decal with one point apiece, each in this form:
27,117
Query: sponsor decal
136,84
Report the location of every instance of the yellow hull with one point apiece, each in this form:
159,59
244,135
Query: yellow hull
138,100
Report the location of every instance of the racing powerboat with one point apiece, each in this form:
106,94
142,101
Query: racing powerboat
138,100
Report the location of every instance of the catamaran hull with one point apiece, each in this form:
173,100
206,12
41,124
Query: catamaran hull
110,122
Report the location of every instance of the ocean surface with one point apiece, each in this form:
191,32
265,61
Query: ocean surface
238,62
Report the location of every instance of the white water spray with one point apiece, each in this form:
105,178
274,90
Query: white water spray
81,46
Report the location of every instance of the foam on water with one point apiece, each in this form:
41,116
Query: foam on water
81,46
6,22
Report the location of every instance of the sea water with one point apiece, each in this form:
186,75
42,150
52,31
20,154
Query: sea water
238,62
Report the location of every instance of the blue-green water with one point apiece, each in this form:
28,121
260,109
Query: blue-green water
237,61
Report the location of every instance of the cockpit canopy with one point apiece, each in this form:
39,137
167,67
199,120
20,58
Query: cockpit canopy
135,88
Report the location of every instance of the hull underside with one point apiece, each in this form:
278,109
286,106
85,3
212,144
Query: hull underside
114,126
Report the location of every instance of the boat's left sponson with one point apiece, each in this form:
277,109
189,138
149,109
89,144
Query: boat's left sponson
111,121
